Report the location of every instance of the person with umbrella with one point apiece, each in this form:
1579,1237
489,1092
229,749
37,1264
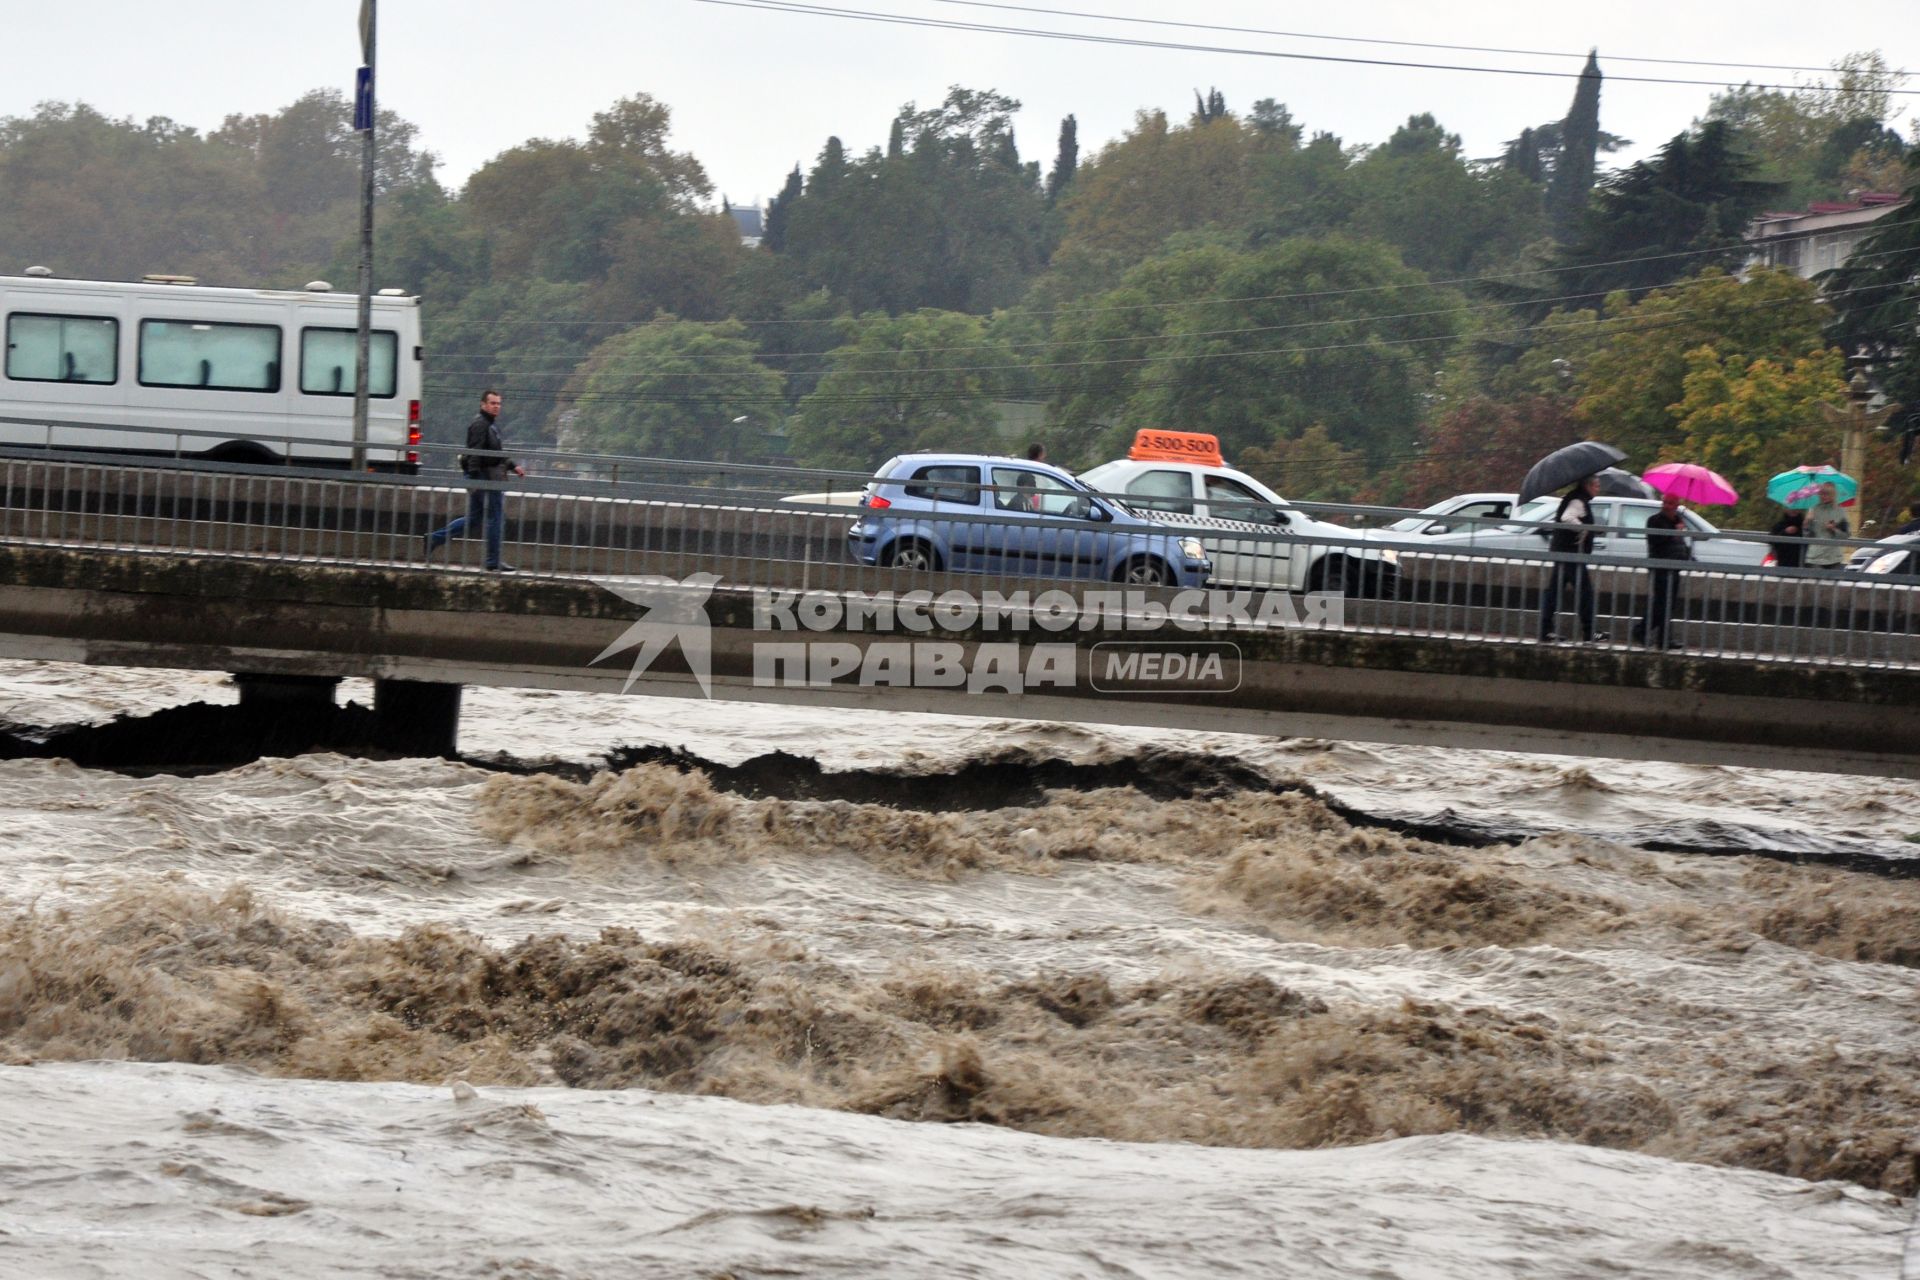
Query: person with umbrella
1668,543
1576,465
1572,535
1663,585
1821,493
1827,522
1790,551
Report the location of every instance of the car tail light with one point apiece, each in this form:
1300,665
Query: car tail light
1769,560
875,502
413,430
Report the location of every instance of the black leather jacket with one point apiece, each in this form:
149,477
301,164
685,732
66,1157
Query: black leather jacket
486,452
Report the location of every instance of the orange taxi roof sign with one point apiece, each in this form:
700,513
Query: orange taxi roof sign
1176,446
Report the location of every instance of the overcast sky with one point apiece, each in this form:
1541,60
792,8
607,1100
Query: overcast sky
754,92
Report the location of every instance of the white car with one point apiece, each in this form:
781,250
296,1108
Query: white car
1628,518
1899,553
1182,474
837,498
1452,515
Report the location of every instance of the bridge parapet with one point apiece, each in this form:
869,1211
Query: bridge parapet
759,644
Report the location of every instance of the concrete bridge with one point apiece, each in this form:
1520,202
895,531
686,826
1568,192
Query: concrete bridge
298,580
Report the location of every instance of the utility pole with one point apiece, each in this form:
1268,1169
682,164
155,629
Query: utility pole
1855,421
363,338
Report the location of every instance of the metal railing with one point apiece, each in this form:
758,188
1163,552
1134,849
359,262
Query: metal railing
572,526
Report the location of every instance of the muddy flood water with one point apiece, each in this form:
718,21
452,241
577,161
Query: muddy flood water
648,987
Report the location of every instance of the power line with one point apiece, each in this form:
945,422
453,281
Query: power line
942,24
1188,335
1490,278
935,397
1379,40
1594,327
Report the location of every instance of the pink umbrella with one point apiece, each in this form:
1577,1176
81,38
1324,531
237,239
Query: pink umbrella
1692,482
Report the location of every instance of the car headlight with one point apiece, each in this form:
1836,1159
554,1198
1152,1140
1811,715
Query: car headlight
1391,557
1192,550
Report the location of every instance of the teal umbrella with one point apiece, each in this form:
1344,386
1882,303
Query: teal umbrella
1799,488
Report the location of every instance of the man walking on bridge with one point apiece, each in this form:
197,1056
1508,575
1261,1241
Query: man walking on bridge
485,460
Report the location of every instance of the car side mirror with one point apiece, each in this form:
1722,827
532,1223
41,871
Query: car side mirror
1433,529
1079,508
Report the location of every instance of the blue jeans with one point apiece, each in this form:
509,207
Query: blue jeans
489,505
1573,575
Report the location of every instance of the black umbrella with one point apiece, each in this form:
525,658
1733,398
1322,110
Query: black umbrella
1615,483
1564,466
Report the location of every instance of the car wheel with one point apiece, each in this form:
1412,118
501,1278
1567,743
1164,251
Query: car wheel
914,555
1143,571
1329,573
1350,577
251,455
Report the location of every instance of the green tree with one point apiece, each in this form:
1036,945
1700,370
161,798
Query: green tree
264,200
955,222
1066,159
1301,190
1312,467
923,380
1876,295
1523,157
1446,217
1482,436
523,337
631,137
1158,180
1821,139
1274,125
672,389
520,201
1255,347
1094,357
562,209
1662,218
1210,108
1572,181
1628,372
794,323
779,209
1751,419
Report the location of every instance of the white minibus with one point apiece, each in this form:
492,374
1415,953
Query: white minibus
169,367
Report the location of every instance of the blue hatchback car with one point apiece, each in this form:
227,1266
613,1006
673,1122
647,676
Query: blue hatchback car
981,514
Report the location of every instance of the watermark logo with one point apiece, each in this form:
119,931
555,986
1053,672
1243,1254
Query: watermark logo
676,611
967,641
1133,666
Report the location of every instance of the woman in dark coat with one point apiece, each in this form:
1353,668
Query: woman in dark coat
1793,553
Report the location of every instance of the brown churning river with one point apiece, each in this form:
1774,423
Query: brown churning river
944,997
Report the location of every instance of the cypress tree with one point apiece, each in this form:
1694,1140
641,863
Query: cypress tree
1065,161
896,139
780,211
1579,146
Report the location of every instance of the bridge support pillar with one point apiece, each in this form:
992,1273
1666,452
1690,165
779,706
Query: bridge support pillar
277,694
417,717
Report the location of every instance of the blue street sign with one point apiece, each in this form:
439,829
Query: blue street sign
363,100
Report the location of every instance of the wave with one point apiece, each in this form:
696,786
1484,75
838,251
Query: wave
156,973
